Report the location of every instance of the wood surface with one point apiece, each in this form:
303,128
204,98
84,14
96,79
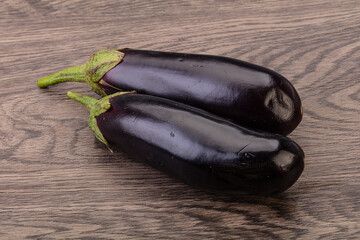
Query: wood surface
58,182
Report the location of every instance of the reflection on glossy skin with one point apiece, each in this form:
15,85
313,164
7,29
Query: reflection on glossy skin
248,94
200,148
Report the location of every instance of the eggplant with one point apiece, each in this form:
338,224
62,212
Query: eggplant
197,147
242,92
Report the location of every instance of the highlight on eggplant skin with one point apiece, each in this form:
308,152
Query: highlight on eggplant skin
242,92
197,147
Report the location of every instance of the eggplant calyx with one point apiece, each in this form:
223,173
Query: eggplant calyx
99,64
92,72
95,107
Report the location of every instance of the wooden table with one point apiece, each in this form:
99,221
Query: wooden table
58,182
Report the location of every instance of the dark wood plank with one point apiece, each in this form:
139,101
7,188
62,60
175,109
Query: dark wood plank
58,182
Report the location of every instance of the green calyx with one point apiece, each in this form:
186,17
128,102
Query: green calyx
92,72
99,64
96,107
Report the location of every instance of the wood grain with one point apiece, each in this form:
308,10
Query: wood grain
58,182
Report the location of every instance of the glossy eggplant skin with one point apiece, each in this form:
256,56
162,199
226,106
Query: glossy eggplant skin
200,148
239,91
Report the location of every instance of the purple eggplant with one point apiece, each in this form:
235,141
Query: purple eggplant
242,92
197,147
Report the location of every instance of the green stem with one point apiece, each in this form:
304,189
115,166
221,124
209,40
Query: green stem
71,74
96,107
91,73
87,101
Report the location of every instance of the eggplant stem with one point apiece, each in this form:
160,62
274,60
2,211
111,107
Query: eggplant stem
87,101
91,72
96,107
71,74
